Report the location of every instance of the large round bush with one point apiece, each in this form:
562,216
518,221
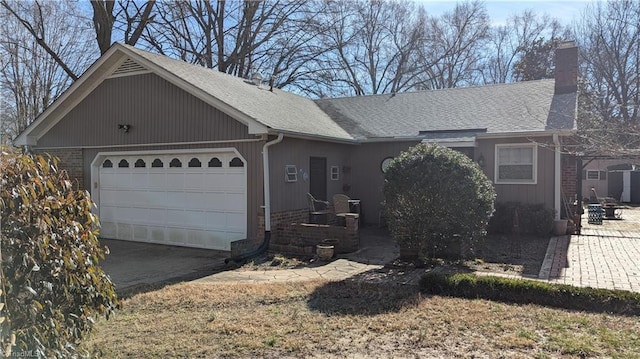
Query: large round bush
436,198
52,287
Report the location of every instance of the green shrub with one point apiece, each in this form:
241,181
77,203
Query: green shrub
437,199
523,291
52,285
534,219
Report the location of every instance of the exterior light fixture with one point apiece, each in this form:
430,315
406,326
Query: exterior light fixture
124,127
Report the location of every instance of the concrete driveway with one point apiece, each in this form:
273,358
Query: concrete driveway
133,264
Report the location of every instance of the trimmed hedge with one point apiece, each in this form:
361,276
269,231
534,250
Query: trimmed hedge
533,219
521,291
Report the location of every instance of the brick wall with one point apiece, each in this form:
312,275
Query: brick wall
568,180
245,245
288,225
71,160
302,238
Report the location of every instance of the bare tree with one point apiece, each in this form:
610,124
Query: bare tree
372,47
227,36
454,56
608,36
127,16
506,43
30,77
292,57
609,40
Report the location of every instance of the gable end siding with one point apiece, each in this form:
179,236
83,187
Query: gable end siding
156,110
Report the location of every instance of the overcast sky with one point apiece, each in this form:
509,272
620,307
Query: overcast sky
500,10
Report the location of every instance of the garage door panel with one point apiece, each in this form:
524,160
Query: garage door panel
197,201
174,180
118,197
107,229
156,179
194,180
217,201
156,234
140,232
177,217
124,231
107,213
234,202
152,199
137,198
155,216
195,219
107,197
173,199
139,180
176,236
191,206
215,181
235,221
110,180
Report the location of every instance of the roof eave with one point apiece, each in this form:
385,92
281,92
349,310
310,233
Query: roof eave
541,133
313,137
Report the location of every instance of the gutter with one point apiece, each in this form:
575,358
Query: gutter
557,177
267,205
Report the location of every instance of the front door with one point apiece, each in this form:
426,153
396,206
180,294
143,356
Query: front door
318,177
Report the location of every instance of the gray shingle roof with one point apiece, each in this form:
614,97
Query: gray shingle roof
278,110
504,108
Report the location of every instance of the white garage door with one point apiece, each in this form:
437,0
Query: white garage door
187,199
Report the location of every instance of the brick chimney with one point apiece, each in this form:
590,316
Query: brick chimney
566,67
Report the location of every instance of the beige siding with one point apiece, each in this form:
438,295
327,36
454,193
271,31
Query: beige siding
368,179
541,192
287,196
157,111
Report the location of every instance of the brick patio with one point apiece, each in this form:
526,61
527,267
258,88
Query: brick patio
602,256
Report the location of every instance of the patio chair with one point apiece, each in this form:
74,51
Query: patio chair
318,210
341,206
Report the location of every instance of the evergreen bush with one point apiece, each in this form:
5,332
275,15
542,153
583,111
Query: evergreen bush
437,200
52,287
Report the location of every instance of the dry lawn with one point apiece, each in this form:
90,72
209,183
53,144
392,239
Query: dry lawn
349,319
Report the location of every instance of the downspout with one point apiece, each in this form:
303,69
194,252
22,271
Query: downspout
266,182
267,205
558,176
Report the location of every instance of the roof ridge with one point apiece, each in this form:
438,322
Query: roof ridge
450,89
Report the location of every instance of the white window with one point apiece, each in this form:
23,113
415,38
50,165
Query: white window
335,173
516,164
593,175
291,173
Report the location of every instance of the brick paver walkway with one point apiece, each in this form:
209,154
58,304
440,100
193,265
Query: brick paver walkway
603,256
